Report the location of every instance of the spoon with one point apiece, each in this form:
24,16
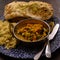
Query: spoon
50,37
38,55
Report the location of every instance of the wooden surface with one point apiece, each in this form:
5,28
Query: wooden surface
56,6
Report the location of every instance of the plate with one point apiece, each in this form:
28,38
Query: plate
23,51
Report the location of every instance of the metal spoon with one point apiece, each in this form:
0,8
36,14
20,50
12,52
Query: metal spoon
47,51
38,55
50,37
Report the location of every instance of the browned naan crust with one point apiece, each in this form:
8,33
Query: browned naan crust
14,9
42,6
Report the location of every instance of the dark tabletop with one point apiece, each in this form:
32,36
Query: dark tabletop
56,6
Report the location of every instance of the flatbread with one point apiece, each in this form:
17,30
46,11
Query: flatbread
33,9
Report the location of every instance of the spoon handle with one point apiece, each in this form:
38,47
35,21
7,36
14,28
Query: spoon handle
48,51
38,55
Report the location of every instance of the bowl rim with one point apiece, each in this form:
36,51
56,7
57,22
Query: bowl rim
31,41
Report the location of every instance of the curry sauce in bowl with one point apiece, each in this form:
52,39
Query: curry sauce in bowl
31,30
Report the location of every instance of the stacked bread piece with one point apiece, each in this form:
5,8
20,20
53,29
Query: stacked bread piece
33,9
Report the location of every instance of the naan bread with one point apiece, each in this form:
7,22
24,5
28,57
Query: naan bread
14,9
39,10
33,9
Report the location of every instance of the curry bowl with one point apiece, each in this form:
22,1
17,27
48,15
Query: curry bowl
31,30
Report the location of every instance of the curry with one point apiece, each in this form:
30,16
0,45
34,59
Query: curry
32,32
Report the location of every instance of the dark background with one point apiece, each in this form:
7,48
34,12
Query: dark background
56,6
